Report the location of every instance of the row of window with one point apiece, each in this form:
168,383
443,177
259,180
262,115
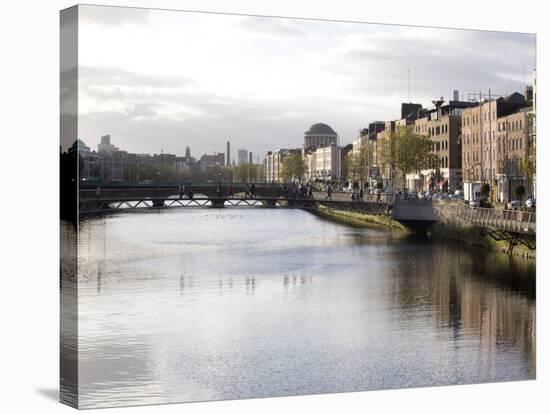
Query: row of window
474,119
438,130
472,157
442,145
513,144
510,126
471,138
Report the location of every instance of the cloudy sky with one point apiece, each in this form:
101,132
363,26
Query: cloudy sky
160,80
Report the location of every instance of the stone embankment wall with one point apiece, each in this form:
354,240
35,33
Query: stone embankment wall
451,227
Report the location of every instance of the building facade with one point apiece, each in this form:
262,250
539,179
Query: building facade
105,145
211,161
323,164
443,124
485,145
242,157
319,135
273,164
512,150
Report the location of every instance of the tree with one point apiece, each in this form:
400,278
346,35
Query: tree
520,191
247,172
408,152
358,164
293,167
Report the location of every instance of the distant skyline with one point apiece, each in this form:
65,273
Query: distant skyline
163,80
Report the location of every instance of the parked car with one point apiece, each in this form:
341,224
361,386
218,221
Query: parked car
426,195
530,203
474,203
440,196
514,204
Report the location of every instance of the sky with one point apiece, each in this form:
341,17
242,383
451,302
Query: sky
159,80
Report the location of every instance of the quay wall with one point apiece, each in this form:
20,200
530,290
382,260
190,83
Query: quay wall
450,227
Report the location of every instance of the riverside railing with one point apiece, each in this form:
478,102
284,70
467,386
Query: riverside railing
513,221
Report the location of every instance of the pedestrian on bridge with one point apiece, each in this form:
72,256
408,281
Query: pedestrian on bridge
329,193
303,191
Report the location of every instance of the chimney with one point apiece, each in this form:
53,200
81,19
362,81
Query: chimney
455,95
228,157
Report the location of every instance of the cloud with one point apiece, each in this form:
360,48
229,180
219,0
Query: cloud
199,79
112,15
276,28
108,76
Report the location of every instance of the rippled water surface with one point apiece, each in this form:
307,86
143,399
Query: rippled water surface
192,305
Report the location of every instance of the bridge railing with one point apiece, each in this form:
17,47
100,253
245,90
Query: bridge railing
514,221
89,194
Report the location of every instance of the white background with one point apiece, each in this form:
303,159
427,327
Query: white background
29,130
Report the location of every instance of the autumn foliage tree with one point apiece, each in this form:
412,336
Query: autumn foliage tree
407,152
358,164
293,167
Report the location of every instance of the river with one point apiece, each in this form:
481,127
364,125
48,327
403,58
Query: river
204,304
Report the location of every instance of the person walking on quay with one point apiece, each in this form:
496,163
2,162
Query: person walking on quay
253,191
219,191
310,191
361,194
329,193
303,191
182,190
230,191
378,196
97,192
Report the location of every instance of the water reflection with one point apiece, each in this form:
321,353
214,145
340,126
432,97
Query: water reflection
191,305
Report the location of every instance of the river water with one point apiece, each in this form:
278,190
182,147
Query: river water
203,304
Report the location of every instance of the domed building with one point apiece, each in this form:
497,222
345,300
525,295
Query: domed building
320,135
321,154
